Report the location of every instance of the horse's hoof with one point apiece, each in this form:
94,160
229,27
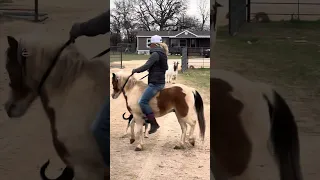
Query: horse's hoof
138,149
132,141
192,142
179,147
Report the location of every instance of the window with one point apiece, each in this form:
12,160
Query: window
193,42
183,42
148,42
174,42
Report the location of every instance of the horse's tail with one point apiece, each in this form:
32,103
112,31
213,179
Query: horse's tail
284,136
199,109
67,173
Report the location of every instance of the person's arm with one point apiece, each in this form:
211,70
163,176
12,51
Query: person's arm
96,26
153,58
93,27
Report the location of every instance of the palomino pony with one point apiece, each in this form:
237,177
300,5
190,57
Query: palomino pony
178,98
254,134
73,80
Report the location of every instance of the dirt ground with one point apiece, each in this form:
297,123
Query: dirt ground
159,160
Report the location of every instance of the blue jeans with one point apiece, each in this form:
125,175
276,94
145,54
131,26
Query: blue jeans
147,95
101,131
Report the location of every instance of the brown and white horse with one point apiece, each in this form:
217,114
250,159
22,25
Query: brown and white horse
253,131
178,98
73,82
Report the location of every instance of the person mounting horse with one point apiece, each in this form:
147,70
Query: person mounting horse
101,127
157,65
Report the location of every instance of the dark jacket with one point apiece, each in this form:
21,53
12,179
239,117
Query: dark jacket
157,65
96,26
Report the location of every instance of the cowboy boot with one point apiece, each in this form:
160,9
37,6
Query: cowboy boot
154,124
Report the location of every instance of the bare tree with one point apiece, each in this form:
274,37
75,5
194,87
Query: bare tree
163,13
124,15
187,22
204,11
145,21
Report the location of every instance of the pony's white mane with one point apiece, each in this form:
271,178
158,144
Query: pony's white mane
42,51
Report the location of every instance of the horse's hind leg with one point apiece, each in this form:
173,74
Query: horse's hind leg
192,139
183,125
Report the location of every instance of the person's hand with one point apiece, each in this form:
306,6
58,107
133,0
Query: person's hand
75,31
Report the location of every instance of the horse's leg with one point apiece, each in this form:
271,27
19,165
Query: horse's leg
145,131
126,132
192,139
132,139
183,125
140,137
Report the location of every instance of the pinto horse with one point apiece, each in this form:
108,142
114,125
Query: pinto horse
71,81
178,98
252,130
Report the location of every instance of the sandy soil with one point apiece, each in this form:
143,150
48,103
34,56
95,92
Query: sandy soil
159,160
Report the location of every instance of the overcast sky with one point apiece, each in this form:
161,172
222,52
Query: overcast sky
192,7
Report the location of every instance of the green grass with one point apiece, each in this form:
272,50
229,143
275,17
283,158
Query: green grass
129,57
198,78
273,54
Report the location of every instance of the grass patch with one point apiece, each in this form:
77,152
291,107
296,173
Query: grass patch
130,57
198,78
281,51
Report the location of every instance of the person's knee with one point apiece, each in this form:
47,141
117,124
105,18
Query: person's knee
142,103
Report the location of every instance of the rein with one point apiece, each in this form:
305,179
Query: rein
122,89
47,73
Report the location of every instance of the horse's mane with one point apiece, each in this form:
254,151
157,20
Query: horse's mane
133,81
42,52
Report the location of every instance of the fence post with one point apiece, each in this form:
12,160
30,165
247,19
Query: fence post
121,58
298,9
184,59
249,11
36,11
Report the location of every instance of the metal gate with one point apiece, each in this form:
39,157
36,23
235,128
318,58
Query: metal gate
237,15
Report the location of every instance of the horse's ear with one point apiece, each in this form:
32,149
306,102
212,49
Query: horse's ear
13,43
113,75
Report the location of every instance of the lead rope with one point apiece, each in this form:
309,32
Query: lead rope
47,73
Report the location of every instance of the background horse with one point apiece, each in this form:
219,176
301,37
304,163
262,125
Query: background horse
252,127
73,80
179,98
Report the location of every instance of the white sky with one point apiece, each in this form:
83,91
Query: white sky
192,7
